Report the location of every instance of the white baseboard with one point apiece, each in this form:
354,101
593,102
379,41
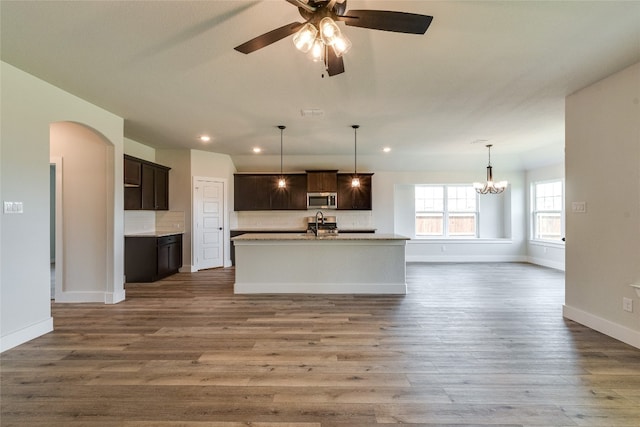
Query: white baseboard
114,297
607,327
466,258
546,263
188,269
193,269
14,339
320,288
84,296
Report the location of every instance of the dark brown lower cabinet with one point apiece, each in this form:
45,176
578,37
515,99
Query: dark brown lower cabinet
147,259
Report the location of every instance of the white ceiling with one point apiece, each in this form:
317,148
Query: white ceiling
484,71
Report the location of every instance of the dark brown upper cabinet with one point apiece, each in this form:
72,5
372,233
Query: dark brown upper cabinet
354,198
293,196
146,185
260,192
322,181
132,172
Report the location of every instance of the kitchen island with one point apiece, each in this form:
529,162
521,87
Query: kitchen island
347,263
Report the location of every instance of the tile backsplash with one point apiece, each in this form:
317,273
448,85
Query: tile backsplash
169,221
139,222
297,219
153,221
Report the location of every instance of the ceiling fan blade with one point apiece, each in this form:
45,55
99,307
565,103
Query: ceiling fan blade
335,64
268,38
399,22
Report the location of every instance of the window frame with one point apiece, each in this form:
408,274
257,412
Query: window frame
446,213
533,211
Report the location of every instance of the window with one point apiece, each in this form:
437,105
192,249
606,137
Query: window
547,213
444,211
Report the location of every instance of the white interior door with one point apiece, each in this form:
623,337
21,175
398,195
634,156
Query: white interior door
209,223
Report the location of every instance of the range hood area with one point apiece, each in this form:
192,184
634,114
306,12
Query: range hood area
322,225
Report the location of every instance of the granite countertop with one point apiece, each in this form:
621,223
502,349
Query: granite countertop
309,236
271,229
297,229
154,234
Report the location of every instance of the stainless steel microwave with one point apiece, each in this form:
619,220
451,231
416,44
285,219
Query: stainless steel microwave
322,200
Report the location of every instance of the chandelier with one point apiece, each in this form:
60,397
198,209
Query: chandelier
315,41
490,187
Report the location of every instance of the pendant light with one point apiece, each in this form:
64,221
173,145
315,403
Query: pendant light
355,181
282,183
490,187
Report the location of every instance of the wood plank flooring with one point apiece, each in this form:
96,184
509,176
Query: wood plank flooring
469,345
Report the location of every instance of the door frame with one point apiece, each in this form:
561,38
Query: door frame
226,258
59,243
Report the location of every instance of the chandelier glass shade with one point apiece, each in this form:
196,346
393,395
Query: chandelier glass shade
315,40
304,38
490,187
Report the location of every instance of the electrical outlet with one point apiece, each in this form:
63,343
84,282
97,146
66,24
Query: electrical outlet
627,304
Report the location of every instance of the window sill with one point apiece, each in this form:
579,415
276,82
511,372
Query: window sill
547,243
420,241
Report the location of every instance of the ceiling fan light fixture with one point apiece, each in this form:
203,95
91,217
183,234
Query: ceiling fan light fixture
304,38
317,51
341,45
329,31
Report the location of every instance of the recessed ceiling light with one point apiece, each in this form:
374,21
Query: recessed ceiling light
386,149
257,150
204,138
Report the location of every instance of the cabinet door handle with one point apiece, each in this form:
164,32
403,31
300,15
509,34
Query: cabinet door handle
219,228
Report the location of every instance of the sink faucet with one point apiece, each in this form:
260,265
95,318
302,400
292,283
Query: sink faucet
320,215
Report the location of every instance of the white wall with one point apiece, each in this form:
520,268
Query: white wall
543,253
140,151
603,169
29,105
85,237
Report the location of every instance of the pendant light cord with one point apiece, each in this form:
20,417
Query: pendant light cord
355,149
282,128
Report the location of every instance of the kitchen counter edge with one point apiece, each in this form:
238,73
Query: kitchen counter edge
311,237
154,234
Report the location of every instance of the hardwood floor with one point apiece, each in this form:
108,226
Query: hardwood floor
469,345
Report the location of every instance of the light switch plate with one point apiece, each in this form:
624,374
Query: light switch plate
578,207
13,207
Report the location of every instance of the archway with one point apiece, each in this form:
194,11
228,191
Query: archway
84,246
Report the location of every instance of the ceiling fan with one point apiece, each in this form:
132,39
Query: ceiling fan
321,37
